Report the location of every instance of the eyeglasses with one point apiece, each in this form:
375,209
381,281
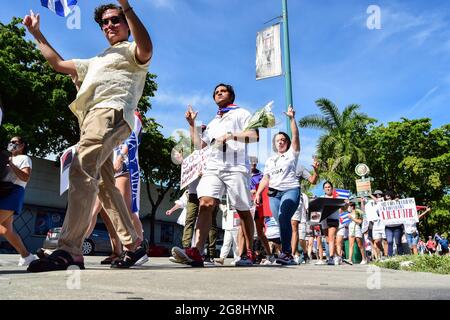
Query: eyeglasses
114,20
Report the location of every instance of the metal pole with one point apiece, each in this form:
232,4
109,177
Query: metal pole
287,63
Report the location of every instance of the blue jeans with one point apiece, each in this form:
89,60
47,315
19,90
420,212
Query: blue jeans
394,233
283,206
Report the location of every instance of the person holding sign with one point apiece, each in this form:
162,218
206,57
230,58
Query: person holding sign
110,86
226,170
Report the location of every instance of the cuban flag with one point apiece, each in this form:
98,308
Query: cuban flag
343,218
341,193
60,7
133,158
65,163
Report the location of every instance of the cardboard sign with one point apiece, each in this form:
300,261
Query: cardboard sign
192,167
392,212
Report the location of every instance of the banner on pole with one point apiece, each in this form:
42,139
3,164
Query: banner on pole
268,53
392,212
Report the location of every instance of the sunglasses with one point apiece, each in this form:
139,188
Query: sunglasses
15,142
114,20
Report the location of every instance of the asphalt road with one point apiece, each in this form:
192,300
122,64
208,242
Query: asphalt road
161,279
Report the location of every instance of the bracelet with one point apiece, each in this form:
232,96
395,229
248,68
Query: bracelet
127,9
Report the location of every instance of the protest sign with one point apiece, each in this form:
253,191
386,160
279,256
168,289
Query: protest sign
392,212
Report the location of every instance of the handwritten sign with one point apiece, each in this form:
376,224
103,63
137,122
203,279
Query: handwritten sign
193,166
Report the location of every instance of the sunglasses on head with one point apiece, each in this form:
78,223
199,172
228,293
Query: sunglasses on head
114,20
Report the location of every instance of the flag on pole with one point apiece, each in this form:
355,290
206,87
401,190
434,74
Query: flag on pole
268,53
133,157
60,7
341,193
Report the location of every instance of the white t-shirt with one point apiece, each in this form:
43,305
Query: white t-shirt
235,157
410,227
182,202
302,173
20,161
113,79
282,171
378,226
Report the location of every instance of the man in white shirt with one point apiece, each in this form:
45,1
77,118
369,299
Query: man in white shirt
110,86
227,170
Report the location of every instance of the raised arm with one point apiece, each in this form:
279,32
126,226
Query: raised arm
32,22
295,144
140,34
190,116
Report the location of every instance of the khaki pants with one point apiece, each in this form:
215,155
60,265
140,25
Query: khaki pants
92,173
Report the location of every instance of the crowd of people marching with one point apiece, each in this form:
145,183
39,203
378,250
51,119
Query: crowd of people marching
268,204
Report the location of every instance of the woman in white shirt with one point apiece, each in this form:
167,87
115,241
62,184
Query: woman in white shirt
284,186
17,174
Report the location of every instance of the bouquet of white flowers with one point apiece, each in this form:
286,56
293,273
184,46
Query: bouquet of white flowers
263,118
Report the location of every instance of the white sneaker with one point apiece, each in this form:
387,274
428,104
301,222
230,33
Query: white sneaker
27,260
142,260
320,262
363,262
298,259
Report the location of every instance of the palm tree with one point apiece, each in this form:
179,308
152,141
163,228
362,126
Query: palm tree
339,146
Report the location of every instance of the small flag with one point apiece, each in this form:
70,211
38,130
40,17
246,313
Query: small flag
343,218
60,7
341,193
65,163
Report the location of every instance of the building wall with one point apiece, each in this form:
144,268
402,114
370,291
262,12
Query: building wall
45,208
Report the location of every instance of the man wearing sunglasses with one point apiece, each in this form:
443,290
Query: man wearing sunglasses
109,88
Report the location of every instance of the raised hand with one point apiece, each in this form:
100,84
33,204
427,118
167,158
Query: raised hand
290,112
32,22
123,3
190,116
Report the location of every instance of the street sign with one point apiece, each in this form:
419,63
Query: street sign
362,170
363,187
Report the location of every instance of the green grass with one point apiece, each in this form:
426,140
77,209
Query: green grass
420,263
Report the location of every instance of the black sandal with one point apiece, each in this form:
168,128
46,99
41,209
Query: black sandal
110,259
57,261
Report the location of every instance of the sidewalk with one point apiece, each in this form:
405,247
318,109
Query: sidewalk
161,279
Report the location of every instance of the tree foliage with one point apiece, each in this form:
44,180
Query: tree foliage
338,147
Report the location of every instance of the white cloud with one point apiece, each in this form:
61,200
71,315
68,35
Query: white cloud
196,100
168,4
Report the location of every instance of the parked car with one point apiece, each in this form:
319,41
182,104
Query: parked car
97,242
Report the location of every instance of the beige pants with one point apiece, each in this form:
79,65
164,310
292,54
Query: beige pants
92,173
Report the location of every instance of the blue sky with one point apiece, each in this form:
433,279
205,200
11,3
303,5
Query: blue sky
401,70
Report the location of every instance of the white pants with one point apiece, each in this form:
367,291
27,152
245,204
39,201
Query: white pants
230,241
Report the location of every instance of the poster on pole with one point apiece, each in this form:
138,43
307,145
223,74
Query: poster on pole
392,212
268,53
363,187
65,163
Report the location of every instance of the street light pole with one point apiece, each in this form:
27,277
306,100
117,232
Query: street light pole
287,63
